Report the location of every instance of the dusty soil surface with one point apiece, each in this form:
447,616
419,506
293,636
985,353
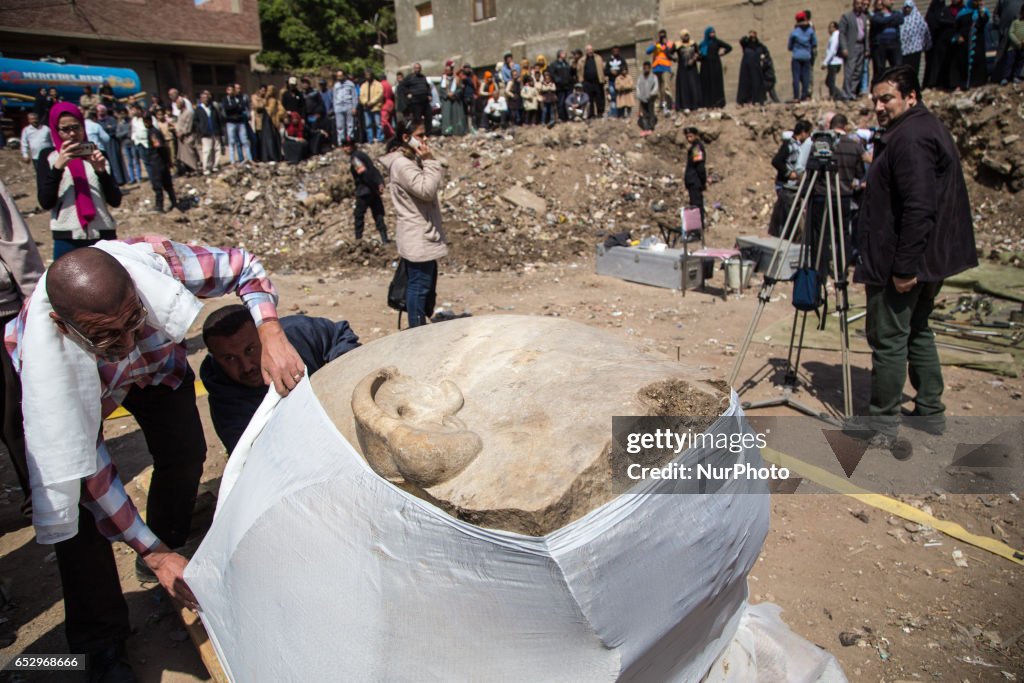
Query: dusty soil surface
835,565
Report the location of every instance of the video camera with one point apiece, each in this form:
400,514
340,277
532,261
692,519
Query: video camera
824,142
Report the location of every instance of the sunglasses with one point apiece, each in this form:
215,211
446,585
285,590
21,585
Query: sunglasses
106,339
70,129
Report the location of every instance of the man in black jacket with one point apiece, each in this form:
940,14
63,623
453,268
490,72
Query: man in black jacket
915,230
210,128
593,78
292,99
232,371
235,116
561,74
417,92
369,189
313,105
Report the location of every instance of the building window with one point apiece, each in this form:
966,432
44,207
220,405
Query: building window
213,77
233,6
484,9
425,17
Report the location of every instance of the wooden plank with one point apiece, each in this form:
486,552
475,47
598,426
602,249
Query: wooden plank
197,632
189,619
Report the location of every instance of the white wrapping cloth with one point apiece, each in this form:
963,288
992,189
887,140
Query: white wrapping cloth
313,554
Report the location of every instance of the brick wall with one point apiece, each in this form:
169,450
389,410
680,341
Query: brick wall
158,21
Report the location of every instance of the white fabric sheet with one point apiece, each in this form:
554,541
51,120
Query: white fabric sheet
317,569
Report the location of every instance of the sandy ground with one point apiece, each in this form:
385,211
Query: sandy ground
830,571
833,564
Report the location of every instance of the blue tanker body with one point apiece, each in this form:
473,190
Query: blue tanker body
21,79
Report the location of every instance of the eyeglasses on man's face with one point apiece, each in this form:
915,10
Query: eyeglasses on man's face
105,339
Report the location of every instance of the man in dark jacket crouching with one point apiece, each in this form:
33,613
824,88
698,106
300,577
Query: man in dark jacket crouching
232,372
915,230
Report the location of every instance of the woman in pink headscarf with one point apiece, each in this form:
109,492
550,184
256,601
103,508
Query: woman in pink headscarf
387,110
75,185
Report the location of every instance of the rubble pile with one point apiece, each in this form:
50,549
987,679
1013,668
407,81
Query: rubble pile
987,125
550,195
513,199
290,215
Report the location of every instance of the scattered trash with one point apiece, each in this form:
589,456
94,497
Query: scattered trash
976,661
849,638
861,515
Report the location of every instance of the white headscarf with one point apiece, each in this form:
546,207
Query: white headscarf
914,33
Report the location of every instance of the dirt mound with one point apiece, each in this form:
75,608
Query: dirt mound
535,195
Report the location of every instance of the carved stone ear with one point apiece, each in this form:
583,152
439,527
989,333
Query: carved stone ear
408,431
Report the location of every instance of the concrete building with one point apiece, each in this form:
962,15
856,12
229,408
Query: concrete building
189,44
480,32
772,19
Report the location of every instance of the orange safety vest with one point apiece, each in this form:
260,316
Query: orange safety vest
661,56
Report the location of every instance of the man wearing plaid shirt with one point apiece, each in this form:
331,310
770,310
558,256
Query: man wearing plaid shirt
98,305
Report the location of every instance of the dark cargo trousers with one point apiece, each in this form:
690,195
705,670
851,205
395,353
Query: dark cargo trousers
901,341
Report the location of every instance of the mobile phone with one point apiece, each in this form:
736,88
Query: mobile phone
84,149
414,143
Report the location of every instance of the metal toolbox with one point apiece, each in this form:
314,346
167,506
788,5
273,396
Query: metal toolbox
760,250
667,268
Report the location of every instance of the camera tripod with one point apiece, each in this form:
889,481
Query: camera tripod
831,229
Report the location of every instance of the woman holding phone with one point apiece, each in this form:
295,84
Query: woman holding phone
75,185
416,181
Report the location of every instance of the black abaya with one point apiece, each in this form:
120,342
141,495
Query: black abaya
969,68
752,88
944,50
270,140
687,79
712,85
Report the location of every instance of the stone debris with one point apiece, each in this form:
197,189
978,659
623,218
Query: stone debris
523,198
534,195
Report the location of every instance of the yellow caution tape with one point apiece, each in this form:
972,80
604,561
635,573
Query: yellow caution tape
121,412
890,505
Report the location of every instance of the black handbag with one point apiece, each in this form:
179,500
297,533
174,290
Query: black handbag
396,291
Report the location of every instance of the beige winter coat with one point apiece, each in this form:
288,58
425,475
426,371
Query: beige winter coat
415,194
624,89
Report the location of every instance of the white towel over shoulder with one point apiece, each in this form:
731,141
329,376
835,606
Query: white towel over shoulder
62,398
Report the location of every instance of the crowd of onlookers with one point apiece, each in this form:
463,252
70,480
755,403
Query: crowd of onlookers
956,44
